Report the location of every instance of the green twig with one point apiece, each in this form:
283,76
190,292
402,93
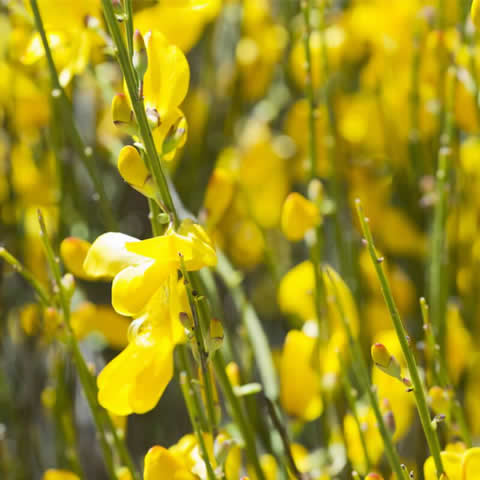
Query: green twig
193,413
84,152
403,338
27,275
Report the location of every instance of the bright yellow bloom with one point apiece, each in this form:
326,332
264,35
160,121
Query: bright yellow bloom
353,442
458,465
165,87
161,463
53,474
145,286
300,386
298,216
73,252
182,22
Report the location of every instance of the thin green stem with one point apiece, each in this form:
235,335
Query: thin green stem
193,413
129,15
403,338
153,161
312,145
84,152
77,356
441,373
361,372
200,336
438,278
348,390
27,275
238,415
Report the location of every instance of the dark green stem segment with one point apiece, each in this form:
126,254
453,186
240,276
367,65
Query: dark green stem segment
440,372
102,419
27,275
192,412
361,372
403,338
84,152
152,158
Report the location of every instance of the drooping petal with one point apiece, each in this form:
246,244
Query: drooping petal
53,474
108,256
134,381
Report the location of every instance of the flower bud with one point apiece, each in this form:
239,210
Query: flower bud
385,361
73,252
298,216
118,10
233,373
140,57
133,170
122,113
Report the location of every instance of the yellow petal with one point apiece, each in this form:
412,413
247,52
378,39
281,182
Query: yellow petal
451,463
108,255
167,77
298,216
73,252
53,474
134,381
470,465
133,287
295,294
300,392
161,463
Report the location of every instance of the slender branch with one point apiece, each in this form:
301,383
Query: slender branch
84,152
403,338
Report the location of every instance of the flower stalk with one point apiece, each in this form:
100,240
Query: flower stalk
402,336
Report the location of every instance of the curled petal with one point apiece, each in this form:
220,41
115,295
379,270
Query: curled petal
108,256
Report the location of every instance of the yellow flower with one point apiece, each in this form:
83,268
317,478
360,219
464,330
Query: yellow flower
182,22
88,318
458,465
161,463
145,286
165,86
300,385
73,252
298,216
53,474
353,442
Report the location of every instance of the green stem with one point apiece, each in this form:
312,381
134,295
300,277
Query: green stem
100,416
442,375
238,415
152,158
27,275
438,278
193,413
129,15
361,372
84,152
402,336
199,327
77,356
348,389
